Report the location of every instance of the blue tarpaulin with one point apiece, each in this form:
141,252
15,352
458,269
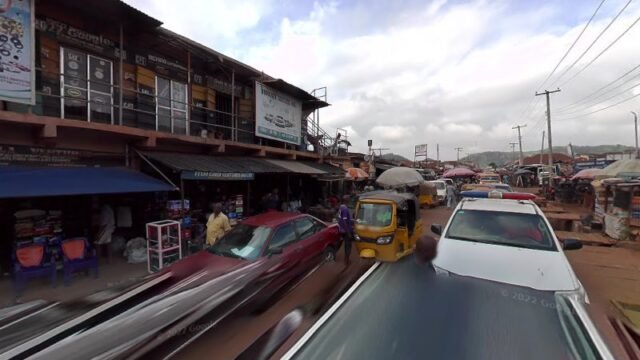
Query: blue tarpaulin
19,182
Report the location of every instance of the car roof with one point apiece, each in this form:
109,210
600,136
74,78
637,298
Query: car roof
389,196
271,219
502,205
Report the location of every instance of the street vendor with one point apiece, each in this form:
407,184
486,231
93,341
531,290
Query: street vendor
217,225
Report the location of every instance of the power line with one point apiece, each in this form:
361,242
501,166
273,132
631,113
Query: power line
588,97
604,108
602,52
572,45
592,43
603,101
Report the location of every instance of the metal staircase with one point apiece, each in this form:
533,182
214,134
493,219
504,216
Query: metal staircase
324,143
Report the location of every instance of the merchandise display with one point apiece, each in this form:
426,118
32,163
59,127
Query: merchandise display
164,244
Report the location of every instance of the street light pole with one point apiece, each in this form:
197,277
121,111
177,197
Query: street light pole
635,121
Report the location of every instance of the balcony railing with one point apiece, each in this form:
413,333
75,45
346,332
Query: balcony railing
139,110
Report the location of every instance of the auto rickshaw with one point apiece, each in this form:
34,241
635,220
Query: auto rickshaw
489,178
428,194
387,225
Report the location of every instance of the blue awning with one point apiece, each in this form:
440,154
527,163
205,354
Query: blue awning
19,182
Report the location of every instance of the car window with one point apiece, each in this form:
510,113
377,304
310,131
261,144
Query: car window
502,228
306,227
285,235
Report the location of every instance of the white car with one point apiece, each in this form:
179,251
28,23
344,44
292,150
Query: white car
441,187
507,241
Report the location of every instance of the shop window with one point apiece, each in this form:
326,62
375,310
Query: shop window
171,106
87,87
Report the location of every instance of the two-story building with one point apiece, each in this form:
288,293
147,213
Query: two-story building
98,83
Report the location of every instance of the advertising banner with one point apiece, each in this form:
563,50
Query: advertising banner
17,61
278,116
421,150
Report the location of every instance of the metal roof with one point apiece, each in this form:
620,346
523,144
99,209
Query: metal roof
327,168
308,101
111,9
297,167
222,164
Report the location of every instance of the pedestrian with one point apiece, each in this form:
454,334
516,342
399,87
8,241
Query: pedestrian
217,225
273,200
426,251
345,225
451,196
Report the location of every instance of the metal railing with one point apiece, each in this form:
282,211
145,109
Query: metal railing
139,109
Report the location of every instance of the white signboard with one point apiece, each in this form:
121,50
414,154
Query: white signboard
421,150
278,116
17,78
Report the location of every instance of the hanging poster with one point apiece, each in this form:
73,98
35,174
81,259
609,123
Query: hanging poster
278,116
17,61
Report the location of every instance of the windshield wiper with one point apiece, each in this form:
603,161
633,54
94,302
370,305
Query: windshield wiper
490,242
463,238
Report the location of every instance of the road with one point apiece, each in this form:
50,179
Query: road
235,334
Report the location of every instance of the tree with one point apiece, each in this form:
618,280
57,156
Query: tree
493,165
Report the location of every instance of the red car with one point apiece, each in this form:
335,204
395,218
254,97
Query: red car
293,243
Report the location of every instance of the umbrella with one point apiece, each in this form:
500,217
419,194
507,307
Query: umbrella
523,172
399,176
356,174
586,174
621,168
458,172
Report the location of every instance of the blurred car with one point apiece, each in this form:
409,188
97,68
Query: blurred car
505,239
488,178
421,316
487,187
441,187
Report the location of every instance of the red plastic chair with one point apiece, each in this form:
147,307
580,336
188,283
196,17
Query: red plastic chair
78,256
32,261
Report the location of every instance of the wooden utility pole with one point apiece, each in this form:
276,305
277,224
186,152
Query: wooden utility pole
547,93
520,139
513,152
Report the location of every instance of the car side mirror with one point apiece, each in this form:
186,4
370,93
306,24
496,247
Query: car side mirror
572,244
269,342
436,229
275,251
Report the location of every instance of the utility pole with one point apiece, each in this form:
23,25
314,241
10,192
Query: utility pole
547,93
542,147
513,151
458,149
438,152
520,139
635,121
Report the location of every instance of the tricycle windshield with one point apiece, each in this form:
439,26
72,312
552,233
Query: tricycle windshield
378,215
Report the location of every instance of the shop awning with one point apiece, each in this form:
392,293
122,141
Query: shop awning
22,182
205,167
331,172
297,167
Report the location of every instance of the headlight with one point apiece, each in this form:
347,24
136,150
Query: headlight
382,240
356,237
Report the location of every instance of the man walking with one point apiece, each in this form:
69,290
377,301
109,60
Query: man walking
451,196
217,225
345,225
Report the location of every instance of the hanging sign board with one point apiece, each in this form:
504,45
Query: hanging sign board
17,52
278,116
212,175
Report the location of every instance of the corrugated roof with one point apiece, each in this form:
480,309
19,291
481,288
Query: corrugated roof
297,167
222,164
327,168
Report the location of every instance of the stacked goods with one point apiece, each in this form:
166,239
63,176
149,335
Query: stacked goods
635,207
38,226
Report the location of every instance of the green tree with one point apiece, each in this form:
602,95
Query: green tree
493,165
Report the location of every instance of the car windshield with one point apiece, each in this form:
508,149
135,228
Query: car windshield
243,241
501,228
439,185
378,215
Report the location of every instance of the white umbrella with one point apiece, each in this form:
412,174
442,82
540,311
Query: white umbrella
399,176
621,168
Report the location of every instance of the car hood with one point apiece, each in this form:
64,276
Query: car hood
204,262
540,270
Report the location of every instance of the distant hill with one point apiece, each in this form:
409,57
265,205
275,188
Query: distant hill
500,158
394,157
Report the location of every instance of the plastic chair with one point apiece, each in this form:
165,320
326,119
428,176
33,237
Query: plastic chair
30,261
78,256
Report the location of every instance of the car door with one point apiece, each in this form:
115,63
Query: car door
285,247
311,239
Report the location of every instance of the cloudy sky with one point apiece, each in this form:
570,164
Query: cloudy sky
453,73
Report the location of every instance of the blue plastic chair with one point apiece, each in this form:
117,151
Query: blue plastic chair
30,261
78,255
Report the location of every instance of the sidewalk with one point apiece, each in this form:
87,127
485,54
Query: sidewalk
119,272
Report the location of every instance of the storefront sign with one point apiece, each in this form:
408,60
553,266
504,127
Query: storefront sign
278,116
80,38
17,53
162,66
224,87
38,156
211,175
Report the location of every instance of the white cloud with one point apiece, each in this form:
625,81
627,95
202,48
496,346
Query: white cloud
457,74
